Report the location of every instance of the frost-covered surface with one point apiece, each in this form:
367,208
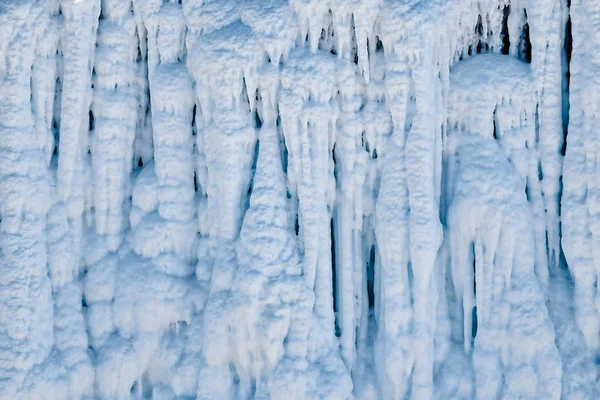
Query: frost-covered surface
303,199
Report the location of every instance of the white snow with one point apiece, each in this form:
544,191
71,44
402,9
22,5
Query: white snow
299,199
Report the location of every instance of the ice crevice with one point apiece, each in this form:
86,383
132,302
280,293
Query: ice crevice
299,199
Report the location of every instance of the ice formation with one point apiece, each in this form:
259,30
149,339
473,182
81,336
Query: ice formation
299,199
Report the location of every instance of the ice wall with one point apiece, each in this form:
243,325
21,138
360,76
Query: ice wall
298,199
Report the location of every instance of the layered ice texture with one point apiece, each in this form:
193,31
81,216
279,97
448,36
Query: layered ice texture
303,199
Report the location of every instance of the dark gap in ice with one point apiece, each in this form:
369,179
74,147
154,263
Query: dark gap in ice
474,269
257,121
284,150
354,54
568,45
253,170
474,310
569,40
140,162
479,33
371,277
474,323
379,45
92,121
146,48
504,33
245,95
57,110
494,123
195,182
525,42
551,257
332,232
338,332
479,26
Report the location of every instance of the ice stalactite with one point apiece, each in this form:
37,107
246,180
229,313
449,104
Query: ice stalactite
351,163
297,199
78,47
394,354
26,321
546,34
580,216
71,195
499,101
149,291
224,121
43,82
45,338
115,95
267,287
514,335
308,115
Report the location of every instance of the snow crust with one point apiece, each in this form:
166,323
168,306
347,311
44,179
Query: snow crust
303,199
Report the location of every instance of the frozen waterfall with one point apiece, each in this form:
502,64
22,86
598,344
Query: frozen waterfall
299,199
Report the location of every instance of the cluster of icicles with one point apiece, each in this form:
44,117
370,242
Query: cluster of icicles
300,199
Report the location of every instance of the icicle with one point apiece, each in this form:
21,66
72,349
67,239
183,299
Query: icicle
114,118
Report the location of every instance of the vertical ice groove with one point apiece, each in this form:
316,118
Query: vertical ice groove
80,24
580,184
546,32
352,163
26,309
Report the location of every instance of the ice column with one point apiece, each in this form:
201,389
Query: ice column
114,112
581,191
26,314
78,45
